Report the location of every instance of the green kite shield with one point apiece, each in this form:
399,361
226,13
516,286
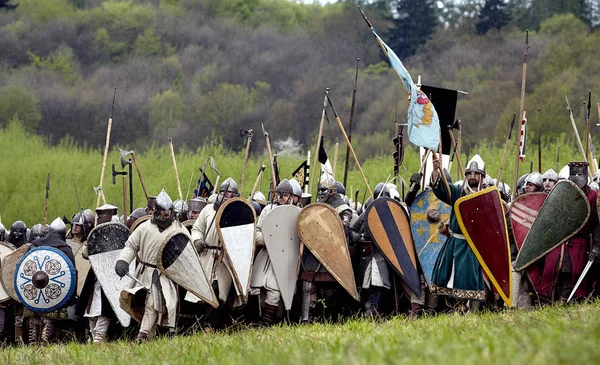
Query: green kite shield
321,231
564,213
178,260
283,245
5,250
426,212
236,226
105,243
389,227
482,220
8,267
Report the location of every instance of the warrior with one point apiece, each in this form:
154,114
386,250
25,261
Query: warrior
18,234
37,231
549,179
195,207
263,277
181,210
457,273
107,213
296,192
81,225
564,264
42,327
316,280
216,267
533,183
160,304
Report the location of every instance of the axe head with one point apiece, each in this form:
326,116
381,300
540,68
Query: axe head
246,132
263,130
214,166
114,174
97,189
124,154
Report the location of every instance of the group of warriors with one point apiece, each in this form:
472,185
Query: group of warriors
226,261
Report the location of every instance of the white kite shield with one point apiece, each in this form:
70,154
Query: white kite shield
236,225
105,243
283,245
178,260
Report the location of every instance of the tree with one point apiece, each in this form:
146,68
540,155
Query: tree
415,22
6,5
493,15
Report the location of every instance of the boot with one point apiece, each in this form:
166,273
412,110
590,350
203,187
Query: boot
47,330
19,335
33,333
416,310
141,337
269,314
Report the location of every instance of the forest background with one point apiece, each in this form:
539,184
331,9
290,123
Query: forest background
199,70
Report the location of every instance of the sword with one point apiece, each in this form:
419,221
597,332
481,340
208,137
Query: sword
136,280
585,270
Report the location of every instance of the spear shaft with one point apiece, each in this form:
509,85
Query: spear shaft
352,108
512,124
521,103
107,144
46,200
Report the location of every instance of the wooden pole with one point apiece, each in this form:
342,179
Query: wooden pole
339,122
106,145
512,124
522,103
576,132
335,156
125,197
456,154
248,141
352,108
260,173
314,169
273,178
175,167
137,168
518,157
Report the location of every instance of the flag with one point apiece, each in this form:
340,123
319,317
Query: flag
523,138
301,174
422,119
324,160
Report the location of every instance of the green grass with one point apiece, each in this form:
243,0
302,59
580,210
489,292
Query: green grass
552,335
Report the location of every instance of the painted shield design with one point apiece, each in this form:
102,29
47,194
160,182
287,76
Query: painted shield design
523,211
321,231
564,212
8,268
105,243
389,227
5,250
283,245
45,279
425,214
178,260
482,221
236,225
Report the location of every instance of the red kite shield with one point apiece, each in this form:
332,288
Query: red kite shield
523,211
482,221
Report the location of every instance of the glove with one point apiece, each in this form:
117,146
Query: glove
595,254
200,245
367,247
121,268
415,180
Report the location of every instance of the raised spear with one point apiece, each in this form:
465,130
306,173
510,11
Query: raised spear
540,141
512,124
273,167
577,138
46,200
522,103
314,169
108,129
175,167
352,108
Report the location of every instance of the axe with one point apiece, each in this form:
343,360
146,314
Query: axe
124,155
114,180
260,172
98,191
214,167
124,163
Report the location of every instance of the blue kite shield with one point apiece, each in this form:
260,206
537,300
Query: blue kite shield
428,239
45,280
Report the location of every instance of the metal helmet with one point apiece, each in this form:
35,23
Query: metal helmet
341,189
488,181
58,226
163,201
180,207
230,185
107,209
378,188
197,204
563,173
578,173
596,176
550,175
521,183
296,189
327,187
594,186
2,232
284,187
504,191
258,196
37,231
257,207
476,164
28,235
18,229
150,204
534,178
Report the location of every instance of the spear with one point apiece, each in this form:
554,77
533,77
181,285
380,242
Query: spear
110,118
587,124
556,167
175,167
512,124
454,145
314,170
540,141
273,167
335,156
339,122
46,200
522,102
577,138
352,108
248,133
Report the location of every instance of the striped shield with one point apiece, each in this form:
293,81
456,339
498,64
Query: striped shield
523,211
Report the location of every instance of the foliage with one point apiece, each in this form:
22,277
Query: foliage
492,16
18,102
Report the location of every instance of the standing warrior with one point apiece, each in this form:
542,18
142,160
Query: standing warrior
206,241
263,276
457,273
160,307
549,179
565,263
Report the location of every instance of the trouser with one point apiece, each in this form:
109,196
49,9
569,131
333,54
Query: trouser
273,297
374,299
148,325
99,327
2,319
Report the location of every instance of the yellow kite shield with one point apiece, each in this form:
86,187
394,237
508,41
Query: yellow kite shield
5,250
8,269
481,218
321,231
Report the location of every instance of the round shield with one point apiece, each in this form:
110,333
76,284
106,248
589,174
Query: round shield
138,222
45,279
5,250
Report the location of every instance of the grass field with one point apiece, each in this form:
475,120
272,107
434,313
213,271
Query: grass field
556,335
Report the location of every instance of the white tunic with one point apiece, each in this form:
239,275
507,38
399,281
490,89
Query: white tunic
263,275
